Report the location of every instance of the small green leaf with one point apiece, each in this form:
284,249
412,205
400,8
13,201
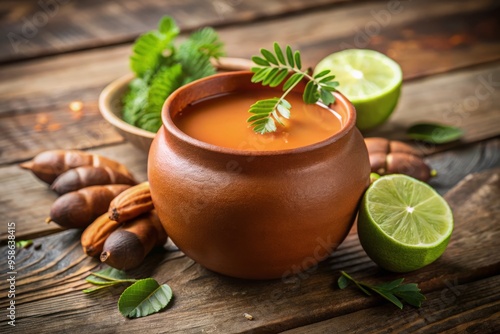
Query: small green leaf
311,94
269,56
143,298
390,285
278,79
97,288
283,111
24,243
327,79
322,73
260,75
270,76
289,56
298,61
293,80
343,282
327,97
434,133
389,296
259,61
279,53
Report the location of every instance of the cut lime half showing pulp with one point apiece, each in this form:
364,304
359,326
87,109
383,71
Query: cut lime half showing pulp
369,79
403,223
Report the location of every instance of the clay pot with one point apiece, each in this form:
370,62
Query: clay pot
256,214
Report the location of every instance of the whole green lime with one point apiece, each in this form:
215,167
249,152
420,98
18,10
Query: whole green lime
369,79
403,223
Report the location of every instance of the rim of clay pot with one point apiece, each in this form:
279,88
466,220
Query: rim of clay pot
346,125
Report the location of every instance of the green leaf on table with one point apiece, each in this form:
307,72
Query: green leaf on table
393,291
143,298
24,243
434,133
106,278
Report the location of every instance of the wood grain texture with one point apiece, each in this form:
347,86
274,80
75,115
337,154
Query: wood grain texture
457,308
26,201
464,280
35,28
41,90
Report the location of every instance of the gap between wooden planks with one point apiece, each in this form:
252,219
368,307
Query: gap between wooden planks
464,281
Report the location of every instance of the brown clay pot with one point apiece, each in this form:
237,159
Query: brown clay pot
256,214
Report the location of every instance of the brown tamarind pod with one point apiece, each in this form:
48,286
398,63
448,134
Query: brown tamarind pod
408,164
95,234
383,145
85,176
127,246
48,165
131,203
78,209
395,157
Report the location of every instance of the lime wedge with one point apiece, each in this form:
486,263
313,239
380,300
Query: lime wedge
403,223
369,79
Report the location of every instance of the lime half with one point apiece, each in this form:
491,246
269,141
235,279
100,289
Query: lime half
403,223
369,79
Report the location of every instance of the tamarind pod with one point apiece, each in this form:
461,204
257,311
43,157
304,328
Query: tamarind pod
85,176
383,145
77,209
377,145
48,165
378,163
408,164
131,203
128,245
95,234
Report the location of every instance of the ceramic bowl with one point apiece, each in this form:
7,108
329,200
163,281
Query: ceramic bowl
110,104
255,214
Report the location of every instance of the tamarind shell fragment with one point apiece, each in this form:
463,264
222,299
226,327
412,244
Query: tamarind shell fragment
81,177
131,203
95,234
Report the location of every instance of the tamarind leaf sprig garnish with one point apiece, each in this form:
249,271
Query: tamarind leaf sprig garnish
272,69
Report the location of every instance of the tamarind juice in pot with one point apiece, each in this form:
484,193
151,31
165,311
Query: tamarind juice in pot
250,205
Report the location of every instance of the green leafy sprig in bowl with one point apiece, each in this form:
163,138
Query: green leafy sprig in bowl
133,103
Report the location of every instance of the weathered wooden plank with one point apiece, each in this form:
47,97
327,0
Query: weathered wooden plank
458,308
454,165
21,192
26,201
33,28
469,99
51,84
49,281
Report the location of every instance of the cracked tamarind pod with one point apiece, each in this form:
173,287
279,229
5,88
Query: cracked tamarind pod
85,176
395,157
128,245
78,209
95,234
48,165
131,203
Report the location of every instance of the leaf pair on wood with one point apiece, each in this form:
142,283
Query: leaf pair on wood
142,298
272,69
161,67
392,291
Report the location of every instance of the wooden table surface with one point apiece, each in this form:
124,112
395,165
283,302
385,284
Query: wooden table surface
53,52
